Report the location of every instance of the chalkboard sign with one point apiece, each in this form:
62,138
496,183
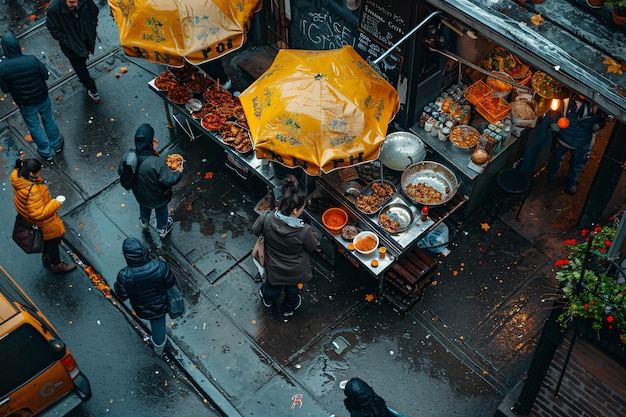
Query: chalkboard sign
322,25
386,21
389,67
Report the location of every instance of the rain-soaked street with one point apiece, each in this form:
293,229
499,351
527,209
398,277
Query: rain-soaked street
458,351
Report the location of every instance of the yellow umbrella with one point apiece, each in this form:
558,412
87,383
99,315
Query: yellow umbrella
319,110
170,31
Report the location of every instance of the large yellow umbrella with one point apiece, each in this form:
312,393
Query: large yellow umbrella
319,110
170,31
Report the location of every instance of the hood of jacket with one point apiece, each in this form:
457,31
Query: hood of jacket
143,140
11,45
358,393
135,252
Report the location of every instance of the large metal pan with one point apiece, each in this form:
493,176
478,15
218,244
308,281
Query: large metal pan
431,174
401,149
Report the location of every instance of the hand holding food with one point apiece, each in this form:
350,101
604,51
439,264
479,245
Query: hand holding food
174,161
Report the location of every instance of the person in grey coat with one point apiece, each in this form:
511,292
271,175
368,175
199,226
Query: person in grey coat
288,244
145,282
153,188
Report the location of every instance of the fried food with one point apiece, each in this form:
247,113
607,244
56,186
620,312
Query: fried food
388,223
199,83
174,161
179,94
165,81
212,121
464,136
423,193
184,72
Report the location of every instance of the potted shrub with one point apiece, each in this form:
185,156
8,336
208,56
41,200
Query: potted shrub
618,10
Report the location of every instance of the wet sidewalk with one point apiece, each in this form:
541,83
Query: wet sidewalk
457,352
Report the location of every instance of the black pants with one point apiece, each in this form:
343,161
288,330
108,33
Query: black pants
80,67
51,253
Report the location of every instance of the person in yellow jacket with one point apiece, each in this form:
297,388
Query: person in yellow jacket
34,204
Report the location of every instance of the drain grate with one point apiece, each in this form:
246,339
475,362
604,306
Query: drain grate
340,344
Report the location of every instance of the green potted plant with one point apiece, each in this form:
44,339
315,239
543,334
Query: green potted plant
618,10
591,291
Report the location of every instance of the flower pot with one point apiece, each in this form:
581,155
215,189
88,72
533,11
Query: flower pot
596,4
619,15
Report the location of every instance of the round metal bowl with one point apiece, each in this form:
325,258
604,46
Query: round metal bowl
398,212
401,149
431,174
464,137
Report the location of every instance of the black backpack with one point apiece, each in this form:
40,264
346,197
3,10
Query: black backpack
128,168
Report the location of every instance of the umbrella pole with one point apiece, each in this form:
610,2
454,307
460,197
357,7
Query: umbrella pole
381,172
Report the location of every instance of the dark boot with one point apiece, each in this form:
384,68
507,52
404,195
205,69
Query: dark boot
45,261
63,267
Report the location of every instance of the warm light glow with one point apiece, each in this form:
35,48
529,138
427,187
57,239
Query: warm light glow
555,105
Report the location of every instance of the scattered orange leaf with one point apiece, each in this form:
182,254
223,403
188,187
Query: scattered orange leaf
369,297
123,70
59,98
300,285
612,65
33,17
485,226
536,19
117,76
28,138
208,175
455,273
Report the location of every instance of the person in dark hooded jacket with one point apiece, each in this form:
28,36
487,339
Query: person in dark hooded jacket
584,119
73,23
288,243
145,282
153,188
24,76
362,401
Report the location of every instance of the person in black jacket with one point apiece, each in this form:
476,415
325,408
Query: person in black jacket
584,119
24,76
73,23
362,401
153,188
145,282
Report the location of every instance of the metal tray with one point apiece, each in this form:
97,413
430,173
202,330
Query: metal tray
368,191
433,175
400,213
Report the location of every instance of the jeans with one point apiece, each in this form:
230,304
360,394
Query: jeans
52,139
162,214
157,326
51,253
271,292
577,160
80,67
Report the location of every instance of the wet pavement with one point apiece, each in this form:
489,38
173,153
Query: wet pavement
457,352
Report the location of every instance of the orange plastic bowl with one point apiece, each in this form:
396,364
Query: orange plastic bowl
334,219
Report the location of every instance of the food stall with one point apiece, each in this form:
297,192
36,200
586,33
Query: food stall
402,269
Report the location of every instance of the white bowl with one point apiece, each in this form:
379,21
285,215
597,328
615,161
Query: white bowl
363,235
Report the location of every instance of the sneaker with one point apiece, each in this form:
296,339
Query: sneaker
48,158
168,228
95,97
63,267
60,148
145,226
227,85
45,261
258,277
265,303
289,314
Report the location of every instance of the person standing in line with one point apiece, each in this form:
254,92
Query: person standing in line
288,243
145,282
34,204
73,23
362,401
583,120
24,76
153,187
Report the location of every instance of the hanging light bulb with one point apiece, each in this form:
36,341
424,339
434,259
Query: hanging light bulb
555,105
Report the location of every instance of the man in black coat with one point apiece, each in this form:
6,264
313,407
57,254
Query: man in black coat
153,187
73,23
145,282
24,76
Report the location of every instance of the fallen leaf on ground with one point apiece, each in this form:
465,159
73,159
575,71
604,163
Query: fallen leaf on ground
536,19
208,175
369,297
485,226
28,138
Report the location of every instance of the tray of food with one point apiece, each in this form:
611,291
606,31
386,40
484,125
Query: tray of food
165,81
174,161
212,121
477,91
179,94
199,83
205,109
429,183
236,137
217,95
464,137
493,109
544,85
183,73
374,196
395,218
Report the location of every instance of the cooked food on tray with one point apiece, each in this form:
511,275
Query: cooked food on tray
368,203
544,85
212,121
464,136
388,223
179,94
204,110
235,136
383,189
374,196
184,72
199,83
499,85
217,95
424,193
174,161
165,81
521,109
499,59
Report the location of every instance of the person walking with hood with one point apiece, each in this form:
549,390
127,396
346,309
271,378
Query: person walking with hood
362,401
153,187
24,77
145,282
34,204
73,23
